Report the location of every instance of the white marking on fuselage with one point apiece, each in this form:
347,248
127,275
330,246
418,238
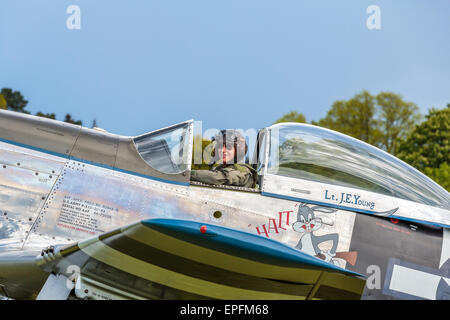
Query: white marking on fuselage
414,282
445,253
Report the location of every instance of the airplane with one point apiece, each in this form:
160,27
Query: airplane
87,214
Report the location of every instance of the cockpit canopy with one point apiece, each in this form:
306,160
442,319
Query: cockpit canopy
304,152
321,155
166,150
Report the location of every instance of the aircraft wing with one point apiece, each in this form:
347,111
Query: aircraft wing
177,259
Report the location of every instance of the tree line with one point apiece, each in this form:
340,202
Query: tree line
394,125
15,101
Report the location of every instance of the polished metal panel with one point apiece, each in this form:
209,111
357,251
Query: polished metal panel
88,200
26,178
19,206
38,132
316,154
96,146
26,158
93,146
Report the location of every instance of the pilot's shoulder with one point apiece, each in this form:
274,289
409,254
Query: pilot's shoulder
242,168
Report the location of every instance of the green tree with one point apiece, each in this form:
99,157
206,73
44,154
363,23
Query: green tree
440,175
427,147
292,116
354,117
396,119
428,144
14,100
46,115
383,120
68,118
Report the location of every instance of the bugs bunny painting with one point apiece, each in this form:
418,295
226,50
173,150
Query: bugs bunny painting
306,224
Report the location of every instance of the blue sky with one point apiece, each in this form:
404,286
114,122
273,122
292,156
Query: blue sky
137,65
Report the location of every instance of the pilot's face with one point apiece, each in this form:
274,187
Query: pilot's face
227,154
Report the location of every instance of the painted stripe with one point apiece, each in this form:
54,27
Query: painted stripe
110,234
119,260
330,289
331,293
74,256
374,213
238,264
93,163
239,243
316,286
67,250
216,258
201,271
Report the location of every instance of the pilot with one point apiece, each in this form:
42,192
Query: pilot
229,167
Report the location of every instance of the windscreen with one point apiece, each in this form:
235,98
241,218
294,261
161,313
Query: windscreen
166,150
321,155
